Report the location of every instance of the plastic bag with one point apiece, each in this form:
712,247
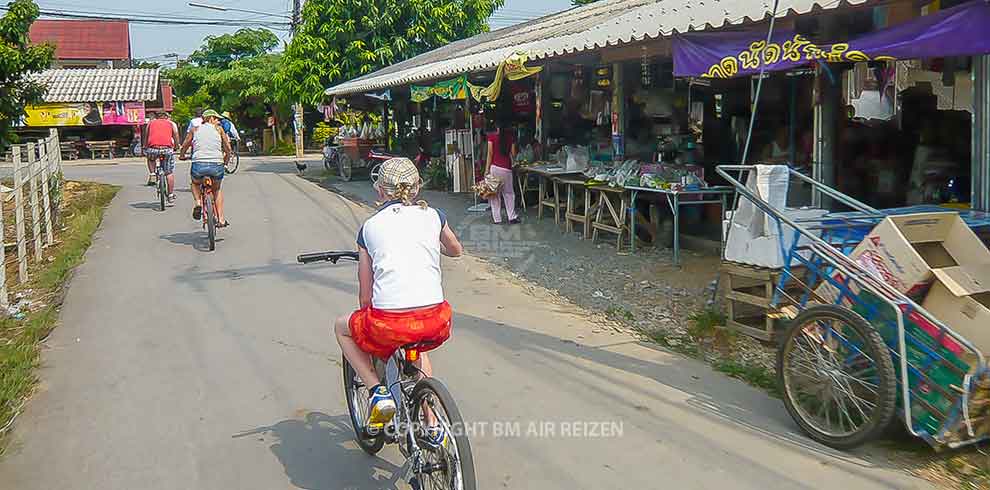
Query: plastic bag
627,172
577,158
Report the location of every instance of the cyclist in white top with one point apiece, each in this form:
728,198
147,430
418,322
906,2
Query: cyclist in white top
210,151
400,294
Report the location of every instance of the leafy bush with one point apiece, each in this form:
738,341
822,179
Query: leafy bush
283,149
435,175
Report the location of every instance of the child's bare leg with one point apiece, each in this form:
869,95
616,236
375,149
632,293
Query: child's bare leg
358,359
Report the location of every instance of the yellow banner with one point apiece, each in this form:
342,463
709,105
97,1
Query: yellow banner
63,115
513,68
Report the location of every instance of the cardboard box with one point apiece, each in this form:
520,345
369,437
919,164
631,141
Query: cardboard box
960,298
904,250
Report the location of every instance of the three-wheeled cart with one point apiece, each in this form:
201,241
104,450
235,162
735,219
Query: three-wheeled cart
857,354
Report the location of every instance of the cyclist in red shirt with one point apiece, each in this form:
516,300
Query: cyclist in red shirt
162,140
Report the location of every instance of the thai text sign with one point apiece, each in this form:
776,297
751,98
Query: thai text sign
959,31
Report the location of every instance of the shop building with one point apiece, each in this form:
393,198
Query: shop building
888,102
85,43
98,112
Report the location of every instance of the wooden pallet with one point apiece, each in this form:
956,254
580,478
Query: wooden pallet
748,292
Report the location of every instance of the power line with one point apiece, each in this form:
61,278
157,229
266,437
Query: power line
155,20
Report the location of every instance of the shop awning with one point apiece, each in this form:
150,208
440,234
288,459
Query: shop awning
957,31
600,24
100,85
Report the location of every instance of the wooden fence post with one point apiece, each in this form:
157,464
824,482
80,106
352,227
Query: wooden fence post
46,178
19,217
3,254
33,189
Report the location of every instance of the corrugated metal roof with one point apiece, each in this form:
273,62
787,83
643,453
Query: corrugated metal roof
600,24
84,39
100,85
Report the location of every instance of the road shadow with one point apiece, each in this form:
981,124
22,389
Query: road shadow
279,167
292,271
145,205
195,239
727,402
318,452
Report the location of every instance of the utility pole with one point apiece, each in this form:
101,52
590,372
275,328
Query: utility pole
297,107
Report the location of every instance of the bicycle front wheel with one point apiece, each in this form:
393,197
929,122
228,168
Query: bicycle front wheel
211,220
452,465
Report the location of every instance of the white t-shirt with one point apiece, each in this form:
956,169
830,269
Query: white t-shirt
404,245
194,123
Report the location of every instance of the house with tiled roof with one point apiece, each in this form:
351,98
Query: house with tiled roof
85,43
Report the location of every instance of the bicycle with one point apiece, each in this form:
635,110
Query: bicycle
209,214
162,178
235,160
427,466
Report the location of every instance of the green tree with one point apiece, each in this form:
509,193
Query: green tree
578,3
231,72
221,51
18,60
343,39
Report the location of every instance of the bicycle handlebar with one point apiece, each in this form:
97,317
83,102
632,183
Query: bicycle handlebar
332,257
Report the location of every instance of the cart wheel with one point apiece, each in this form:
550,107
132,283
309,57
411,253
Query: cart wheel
345,167
837,377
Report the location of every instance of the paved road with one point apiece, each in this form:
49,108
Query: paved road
176,368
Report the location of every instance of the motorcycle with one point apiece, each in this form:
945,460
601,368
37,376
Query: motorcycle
252,147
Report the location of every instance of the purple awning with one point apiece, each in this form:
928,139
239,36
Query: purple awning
963,30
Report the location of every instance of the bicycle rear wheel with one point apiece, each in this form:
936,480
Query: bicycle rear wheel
231,166
452,466
357,405
211,220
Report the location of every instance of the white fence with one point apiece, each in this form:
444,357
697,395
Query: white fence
37,174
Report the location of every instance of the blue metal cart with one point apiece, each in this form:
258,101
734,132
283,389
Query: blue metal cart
857,354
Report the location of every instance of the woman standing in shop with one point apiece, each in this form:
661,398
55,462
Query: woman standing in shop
501,151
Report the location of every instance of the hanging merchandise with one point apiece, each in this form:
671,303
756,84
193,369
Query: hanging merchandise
522,100
454,89
603,77
645,70
513,68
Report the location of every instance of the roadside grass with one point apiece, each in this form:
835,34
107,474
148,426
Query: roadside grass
81,215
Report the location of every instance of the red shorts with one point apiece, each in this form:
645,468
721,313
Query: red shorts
380,332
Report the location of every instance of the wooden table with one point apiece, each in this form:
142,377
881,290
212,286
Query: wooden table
611,213
571,213
97,148
545,174
676,199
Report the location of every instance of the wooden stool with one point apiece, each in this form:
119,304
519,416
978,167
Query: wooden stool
571,214
550,201
749,292
522,178
615,220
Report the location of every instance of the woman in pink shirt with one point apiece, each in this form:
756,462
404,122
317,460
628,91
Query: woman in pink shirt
501,151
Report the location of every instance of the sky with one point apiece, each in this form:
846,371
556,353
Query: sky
151,42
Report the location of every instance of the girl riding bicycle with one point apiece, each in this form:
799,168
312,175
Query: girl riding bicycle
401,296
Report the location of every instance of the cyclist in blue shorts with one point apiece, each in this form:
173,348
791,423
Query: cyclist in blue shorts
210,151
